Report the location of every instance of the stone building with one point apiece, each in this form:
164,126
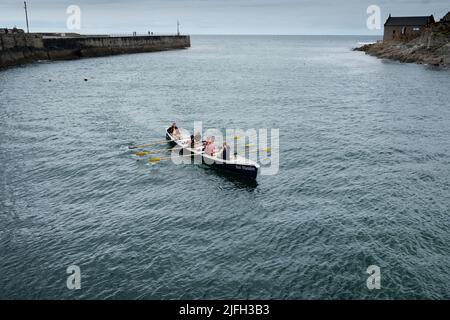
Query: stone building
405,28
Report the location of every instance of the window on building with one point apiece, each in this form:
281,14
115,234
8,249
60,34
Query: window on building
416,29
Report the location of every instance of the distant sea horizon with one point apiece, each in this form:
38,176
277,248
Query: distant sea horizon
196,34
290,35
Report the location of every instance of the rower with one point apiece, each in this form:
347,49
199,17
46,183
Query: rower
198,137
205,143
173,130
209,149
225,151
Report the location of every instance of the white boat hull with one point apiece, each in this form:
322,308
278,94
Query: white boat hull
245,168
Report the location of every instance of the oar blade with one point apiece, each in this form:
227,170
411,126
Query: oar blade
142,153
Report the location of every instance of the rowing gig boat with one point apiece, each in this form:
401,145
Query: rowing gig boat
236,164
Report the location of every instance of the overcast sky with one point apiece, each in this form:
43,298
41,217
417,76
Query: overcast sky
214,16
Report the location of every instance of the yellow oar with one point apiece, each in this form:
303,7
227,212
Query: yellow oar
144,153
263,149
153,160
161,150
152,144
141,153
147,144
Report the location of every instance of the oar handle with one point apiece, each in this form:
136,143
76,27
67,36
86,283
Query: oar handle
152,144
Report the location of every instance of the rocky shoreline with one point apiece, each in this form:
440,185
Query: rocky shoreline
432,47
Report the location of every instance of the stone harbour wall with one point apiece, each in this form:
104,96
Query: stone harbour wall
16,49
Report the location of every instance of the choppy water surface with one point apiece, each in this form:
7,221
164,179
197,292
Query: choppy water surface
364,175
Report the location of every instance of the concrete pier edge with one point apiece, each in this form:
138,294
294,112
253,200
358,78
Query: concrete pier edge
22,48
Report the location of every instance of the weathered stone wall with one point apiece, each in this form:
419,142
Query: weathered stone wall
11,41
394,33
101,46
22,48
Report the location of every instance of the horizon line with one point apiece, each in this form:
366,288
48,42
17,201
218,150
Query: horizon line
221,34
281,34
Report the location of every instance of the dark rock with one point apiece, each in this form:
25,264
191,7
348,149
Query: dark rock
431,47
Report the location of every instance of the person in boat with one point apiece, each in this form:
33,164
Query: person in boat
173,130
193,142
210,147
205,143
198,139
225,151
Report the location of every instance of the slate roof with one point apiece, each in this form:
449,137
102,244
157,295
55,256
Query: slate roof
409,21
